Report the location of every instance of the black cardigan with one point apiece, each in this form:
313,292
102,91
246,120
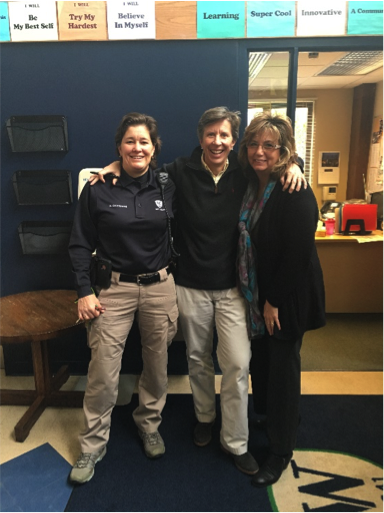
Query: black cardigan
288,268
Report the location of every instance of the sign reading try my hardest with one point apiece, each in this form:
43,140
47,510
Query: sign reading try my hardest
321,18
82,21
271,19
220,19
33,22
4,22
365,18
131,20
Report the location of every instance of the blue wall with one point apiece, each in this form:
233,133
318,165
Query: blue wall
94,84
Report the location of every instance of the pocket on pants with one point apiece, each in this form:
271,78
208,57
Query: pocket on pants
173,315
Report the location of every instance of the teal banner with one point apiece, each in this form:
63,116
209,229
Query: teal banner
4,22
220,19
270,19
365,18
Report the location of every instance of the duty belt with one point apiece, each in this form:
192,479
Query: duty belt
143,279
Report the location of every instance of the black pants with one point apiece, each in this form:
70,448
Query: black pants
275,371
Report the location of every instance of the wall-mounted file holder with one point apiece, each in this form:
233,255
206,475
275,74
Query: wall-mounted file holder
43,187
44,237
38,133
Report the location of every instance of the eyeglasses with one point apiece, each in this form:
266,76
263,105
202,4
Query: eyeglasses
266,146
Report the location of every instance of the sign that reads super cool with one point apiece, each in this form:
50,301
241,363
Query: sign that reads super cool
270,19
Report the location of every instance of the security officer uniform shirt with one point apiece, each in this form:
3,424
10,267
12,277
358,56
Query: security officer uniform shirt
126,223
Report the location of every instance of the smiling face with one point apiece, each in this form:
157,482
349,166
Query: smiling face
136,150
217,142
263,160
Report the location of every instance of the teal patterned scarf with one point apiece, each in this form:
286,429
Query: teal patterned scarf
246,258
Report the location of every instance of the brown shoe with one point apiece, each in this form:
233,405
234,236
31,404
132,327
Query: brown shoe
246,463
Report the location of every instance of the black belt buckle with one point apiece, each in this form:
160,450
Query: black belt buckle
147,280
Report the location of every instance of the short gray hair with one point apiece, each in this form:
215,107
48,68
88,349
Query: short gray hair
217,114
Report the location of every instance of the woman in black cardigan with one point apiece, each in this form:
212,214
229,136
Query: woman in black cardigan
281,279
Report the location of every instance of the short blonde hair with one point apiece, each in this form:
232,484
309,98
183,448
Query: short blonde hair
281,127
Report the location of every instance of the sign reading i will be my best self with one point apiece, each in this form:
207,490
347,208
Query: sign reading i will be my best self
33,22
220,19
131,20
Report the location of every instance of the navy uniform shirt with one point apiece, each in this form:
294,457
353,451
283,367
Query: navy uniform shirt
126,223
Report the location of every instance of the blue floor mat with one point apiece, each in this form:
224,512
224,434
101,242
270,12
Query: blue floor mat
35,481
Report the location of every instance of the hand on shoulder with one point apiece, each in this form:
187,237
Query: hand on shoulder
113,169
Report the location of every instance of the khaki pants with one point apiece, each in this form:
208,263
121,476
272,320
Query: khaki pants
157,314
200,311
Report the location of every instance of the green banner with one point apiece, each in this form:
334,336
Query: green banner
365,18
220,19
270,19
4,22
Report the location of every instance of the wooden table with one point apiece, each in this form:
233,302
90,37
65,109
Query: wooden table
37,317
353,272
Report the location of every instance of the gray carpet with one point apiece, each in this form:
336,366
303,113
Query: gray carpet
349,342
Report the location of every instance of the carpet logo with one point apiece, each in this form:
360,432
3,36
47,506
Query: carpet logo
328,481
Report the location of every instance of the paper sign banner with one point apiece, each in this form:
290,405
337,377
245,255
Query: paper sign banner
4,22
33,22
85,21
365,18
220,19
131,20
321,18
271,19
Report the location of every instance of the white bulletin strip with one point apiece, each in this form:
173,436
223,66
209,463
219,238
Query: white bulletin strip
33,21
50,20
321,18
131,20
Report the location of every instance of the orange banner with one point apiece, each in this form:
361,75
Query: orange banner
85,21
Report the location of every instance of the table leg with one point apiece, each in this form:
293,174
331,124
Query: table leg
28,420
47,391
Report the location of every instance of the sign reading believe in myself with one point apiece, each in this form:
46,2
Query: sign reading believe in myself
271,19
85,21
220,19
33,22
365,18
131,20
321,18
4,22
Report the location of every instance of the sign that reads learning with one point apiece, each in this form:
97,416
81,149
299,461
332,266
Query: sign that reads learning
321,18
85,21
131,20
33,22
365,18
220,19
271,19
4,22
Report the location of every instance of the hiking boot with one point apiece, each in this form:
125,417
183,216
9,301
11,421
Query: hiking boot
246,463
202,433
84,467
153,444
